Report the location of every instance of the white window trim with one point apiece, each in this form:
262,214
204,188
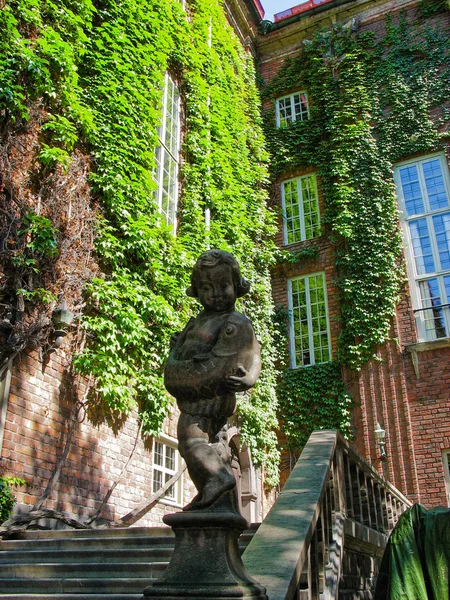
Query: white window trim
413,277
164,149
291,97
309,318
445,462
4,396
173,443
301,207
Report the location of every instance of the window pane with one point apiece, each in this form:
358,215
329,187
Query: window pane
420,238
158,454
291,211
170,458
433,318
434,182
310,207
412,194
171,491
300,106
284,111
442,230
157,480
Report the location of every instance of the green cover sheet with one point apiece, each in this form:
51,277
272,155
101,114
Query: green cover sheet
415,564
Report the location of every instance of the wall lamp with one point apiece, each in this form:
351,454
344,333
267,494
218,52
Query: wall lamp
380,435
61,319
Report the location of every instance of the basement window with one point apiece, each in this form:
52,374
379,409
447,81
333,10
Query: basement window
166,462
292,108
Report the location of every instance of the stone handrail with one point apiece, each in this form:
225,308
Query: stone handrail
331,493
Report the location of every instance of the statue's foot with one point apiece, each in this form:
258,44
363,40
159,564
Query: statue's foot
213,489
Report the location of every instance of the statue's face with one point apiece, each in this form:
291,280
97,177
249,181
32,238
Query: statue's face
215,288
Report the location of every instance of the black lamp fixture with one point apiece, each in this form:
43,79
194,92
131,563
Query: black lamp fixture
62,317
380,435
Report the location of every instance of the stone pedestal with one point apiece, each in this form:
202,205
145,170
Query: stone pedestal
206,563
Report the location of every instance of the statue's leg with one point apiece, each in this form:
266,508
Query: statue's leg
207,468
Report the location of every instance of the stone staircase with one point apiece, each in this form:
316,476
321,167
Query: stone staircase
113,564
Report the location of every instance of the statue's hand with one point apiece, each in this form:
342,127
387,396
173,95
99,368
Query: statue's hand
239,382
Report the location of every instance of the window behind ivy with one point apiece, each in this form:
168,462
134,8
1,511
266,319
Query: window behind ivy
167,153
424,200
291,108
300,209
166,461
309,327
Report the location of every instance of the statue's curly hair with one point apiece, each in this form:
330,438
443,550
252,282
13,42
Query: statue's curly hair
212,258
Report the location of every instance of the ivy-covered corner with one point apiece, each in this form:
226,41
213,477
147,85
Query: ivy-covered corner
86,79
370,103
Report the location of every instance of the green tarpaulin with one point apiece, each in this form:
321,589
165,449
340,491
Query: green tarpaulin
415,565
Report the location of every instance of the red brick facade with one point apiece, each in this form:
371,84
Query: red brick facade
407,389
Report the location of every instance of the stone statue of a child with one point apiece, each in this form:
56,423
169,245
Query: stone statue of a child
215,356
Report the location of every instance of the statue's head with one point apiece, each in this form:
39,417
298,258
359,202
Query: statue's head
214,258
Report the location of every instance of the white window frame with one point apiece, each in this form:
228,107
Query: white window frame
163,153
5,385
300,116
312,350
446,464
415,278
301,208
167,473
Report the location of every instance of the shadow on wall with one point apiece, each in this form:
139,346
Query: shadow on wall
43,411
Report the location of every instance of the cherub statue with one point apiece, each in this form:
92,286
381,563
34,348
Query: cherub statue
215,356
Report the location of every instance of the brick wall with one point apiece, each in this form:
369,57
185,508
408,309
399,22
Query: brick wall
411,402
42,397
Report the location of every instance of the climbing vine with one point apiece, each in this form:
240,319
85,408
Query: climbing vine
96,71
370,102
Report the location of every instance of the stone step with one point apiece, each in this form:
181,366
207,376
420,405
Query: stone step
50,587
88,570
92,542
71,596
107,555
35,534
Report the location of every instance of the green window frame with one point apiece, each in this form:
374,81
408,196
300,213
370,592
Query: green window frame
301,214
309,321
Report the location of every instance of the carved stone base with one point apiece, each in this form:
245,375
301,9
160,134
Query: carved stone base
206,563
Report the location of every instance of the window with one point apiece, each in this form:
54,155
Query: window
446,461
424,202
292,108
166,462
309,327
300,209
4,395
167,154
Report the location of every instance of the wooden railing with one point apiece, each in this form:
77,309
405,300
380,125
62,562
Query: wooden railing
333,500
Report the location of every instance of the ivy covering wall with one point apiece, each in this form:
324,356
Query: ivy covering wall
83,80
370,102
